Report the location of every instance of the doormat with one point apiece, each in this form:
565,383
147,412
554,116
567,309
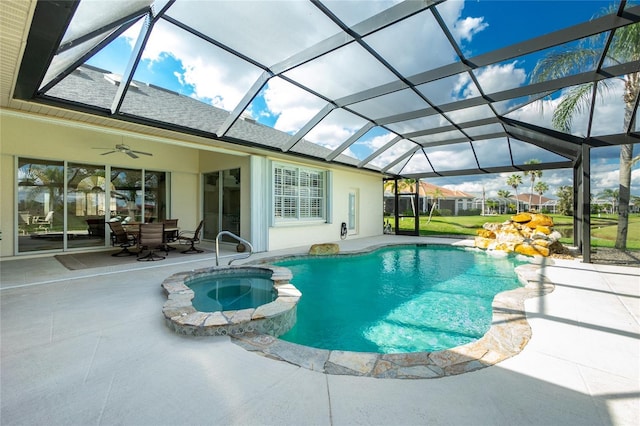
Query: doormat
99,259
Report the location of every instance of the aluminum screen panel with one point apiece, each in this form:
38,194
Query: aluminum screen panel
365,84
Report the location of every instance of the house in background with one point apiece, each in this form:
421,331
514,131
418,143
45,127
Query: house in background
538,203
448,201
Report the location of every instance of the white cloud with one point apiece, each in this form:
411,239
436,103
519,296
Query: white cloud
393,153
329,135
293,106
215,75
462,29
369,144
495,78
466,28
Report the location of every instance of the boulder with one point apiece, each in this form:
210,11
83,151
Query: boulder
324,249
482,242
485,233
539,220
531,250
521,217
530,234
546,230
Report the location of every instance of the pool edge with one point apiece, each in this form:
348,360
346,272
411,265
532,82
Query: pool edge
508,335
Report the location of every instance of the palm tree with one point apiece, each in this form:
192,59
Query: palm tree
410,186
437,194
625,47
404,186
533,175
565,197
613,195
540,189
504,193
514,181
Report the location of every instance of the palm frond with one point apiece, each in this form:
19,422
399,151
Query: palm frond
577,99
560,64
626,44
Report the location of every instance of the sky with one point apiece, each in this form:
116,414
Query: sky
175,61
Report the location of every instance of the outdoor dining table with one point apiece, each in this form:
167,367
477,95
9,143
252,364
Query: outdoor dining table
170,234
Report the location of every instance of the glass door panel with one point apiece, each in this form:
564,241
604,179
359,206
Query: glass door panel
155,196
40,205
231,203
211,200
126,197
407,225
86,205
407,214
222,203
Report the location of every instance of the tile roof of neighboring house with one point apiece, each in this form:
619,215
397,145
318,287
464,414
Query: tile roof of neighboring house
536,199
429,189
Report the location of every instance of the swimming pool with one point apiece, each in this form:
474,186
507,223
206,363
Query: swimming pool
399,299
229,292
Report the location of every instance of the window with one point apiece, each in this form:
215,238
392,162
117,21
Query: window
299,194
353,206
64,205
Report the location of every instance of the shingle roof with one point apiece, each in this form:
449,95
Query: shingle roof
95,86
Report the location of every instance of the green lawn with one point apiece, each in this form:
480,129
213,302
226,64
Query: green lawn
603,228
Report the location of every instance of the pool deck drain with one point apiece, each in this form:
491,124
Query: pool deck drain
509,334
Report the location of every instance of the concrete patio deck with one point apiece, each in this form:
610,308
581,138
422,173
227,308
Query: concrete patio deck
91,347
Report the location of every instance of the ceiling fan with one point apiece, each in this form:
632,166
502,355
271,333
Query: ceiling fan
126,150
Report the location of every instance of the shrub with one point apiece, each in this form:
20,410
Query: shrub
470,212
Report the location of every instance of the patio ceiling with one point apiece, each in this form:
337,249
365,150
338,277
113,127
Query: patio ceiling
392,87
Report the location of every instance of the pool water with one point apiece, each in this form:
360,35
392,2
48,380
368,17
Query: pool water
398,299
229,292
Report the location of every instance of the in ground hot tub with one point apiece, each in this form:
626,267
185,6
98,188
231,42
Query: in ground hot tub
231,300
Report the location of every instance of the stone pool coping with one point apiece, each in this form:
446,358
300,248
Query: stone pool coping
509,334
275,318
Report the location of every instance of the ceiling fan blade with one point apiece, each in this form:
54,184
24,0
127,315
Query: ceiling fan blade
109,152
131,154
143,153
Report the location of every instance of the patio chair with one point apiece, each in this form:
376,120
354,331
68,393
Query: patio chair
43,223
151,237
171,224
95,227
120,237
24,220
191,238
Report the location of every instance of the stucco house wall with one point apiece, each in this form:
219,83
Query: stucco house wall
30,136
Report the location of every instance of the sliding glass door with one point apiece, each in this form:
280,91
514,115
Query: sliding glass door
221,203
65,205
127,195
86,205
40,205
